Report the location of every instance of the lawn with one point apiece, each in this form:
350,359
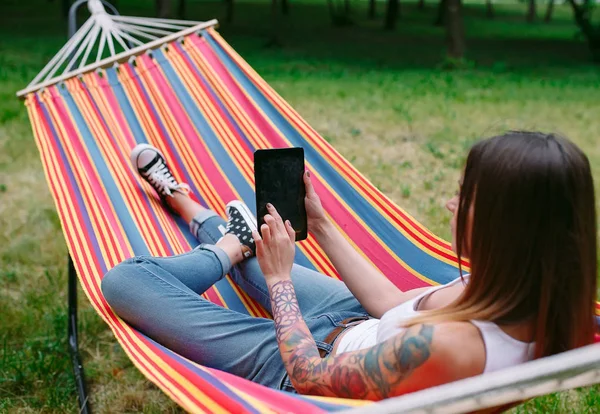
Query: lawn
382,99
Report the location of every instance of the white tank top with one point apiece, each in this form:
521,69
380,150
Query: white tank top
501,349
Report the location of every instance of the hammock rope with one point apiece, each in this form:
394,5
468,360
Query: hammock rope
193,97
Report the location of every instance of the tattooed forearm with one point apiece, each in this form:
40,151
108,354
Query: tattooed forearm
284,304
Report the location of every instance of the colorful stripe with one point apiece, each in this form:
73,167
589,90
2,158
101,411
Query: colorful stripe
205,108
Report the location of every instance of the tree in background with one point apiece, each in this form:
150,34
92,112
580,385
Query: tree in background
582,14
441,12
163,8
549,11
371,13
489,9
455,32
339,12
391,14
531,11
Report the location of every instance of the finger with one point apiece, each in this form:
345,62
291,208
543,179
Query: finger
259,244
310,190
266,233
290,230
274,224
273,212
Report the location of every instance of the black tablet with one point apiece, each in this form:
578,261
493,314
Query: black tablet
278,175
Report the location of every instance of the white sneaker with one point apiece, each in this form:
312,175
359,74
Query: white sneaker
241,222
151,165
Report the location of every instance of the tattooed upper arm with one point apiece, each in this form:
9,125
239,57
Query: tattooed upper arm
408,362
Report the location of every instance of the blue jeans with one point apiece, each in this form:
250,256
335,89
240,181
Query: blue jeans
160,297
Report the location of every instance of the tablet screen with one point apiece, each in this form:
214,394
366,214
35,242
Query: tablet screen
279,180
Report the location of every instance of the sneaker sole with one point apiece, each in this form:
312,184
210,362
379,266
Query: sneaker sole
245,212
135,152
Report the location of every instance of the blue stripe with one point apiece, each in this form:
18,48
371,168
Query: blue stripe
125,106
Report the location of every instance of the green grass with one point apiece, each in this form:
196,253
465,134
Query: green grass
382,99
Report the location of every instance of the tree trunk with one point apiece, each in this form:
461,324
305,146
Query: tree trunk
274,23
163,8
531,11
549,11
66,5
391,14
181,9
455,32
228,11
421,5
489,9
285,7
347,8
591,34
441,12
372,6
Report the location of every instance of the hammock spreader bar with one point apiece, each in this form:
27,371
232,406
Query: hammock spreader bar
104,31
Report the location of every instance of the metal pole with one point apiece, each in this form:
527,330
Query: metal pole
84,407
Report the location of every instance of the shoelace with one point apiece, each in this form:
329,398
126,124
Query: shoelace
163,181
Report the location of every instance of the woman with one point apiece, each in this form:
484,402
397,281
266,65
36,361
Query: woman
524,216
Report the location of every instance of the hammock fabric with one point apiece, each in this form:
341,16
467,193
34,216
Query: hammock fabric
205,108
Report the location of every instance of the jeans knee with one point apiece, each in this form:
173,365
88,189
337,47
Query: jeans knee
118,284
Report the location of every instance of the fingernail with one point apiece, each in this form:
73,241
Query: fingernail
308,173
288,223
269,205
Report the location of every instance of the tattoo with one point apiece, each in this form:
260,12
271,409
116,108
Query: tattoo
374,373
286,311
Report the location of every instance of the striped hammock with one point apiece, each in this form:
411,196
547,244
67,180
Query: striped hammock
207,111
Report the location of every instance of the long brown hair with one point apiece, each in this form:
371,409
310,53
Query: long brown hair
532,242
